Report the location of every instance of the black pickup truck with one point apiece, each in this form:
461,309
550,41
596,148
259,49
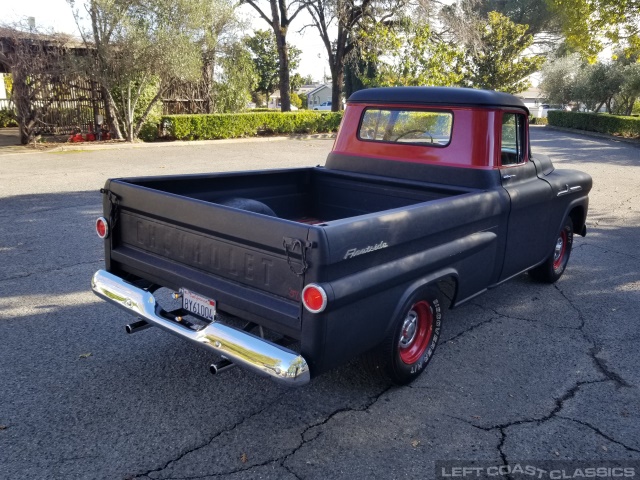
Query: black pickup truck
423,185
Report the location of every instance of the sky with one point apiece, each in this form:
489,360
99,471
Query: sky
57,15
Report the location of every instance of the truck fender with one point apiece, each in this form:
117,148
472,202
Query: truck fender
419,284
577,210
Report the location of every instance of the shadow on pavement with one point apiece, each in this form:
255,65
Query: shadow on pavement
9,137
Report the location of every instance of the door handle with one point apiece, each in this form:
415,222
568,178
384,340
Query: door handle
568,189
507,177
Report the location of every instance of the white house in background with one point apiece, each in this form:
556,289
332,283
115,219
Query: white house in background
318,95
305,89
274,100
3,90
533,99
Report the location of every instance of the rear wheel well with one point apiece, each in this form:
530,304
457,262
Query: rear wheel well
449,288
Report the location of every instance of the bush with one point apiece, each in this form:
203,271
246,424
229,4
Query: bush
148,132
7,118
296,100
538,121
596,122
236,125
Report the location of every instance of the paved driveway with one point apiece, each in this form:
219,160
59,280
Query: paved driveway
524,372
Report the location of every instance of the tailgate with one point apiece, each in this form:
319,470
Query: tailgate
234,256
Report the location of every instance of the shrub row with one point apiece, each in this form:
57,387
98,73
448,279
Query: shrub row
7,118
235,125
538,120
596,122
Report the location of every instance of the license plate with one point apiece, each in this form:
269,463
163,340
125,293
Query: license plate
198,305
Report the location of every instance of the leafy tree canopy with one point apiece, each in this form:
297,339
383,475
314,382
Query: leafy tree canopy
264,52
411,56
236,80
538,15
499,61
589,24
559,78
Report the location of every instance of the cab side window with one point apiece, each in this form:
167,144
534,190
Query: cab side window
512,150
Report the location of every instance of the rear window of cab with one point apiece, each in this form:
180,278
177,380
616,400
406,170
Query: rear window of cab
416,127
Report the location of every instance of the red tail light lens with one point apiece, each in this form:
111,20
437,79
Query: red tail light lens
102,227
314,298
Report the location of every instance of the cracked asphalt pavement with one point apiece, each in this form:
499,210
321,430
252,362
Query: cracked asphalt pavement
524,372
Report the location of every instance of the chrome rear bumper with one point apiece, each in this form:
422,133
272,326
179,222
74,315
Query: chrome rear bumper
242,348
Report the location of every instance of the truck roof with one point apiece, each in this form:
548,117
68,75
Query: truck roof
453,96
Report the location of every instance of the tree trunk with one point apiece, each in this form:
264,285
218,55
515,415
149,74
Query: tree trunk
629,109
109,109
283,55
22,101
207,84
337,80
337,69
95,107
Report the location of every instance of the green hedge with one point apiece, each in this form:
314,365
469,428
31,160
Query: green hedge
235,125
538,120
7,118
596,122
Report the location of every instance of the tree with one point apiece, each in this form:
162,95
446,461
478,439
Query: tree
412,56
358,72
139,44
297,81
264,52
346,18
221,27
235,80
596,85
296,101
343,16
40,71
587,23
559,77
499,63
536,14
307,80
280,20
629,93
304,101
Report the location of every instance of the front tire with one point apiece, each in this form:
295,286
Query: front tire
406,351
553,267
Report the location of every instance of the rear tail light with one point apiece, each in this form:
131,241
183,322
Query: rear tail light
314,298
102,227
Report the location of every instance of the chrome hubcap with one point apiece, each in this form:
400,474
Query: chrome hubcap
409,329
558,251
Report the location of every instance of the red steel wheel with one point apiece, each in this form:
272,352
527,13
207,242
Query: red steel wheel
554,266
409,345
416,332
561,249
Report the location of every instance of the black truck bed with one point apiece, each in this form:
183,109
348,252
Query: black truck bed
172,231
309,195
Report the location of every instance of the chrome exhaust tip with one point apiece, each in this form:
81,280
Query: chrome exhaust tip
221,366
137,326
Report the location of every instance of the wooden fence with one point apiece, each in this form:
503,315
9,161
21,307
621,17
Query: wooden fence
64,106
70,106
